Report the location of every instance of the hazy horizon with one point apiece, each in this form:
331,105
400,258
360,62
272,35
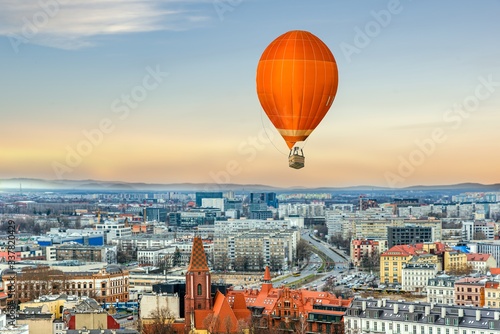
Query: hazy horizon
164,92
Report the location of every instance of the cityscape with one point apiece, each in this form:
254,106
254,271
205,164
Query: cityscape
250,262
249,167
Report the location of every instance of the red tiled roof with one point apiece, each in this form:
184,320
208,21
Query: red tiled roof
402,250
493,285
495,271
223,316
267,274
478,257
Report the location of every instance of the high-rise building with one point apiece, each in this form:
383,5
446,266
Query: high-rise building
408,235
202,195
260,201
158,214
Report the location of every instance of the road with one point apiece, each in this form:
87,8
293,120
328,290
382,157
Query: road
325,248
315,261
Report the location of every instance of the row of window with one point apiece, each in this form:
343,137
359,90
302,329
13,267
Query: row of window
368,325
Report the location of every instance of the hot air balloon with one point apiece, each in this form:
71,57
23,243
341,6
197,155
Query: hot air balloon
297,80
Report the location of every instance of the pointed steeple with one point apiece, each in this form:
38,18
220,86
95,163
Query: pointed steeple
266,285
267,275
198,261
198,286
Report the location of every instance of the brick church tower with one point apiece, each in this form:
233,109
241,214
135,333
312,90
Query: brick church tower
198,284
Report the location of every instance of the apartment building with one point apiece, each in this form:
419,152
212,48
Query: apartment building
402,317
415,276
441,290
106,285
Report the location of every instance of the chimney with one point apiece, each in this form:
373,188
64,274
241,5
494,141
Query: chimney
379,303
396,308
478,314
411,308
363,305
427,310
443,312
496,315
460,312
383,302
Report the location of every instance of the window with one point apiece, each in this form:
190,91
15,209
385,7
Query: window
199,290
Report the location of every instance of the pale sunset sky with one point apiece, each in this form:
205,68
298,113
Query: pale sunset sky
164,91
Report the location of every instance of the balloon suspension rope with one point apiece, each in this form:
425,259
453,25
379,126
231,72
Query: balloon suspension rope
269,138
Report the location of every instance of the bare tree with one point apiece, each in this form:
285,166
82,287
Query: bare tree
303,251
461,270
242,263
161,322
480,236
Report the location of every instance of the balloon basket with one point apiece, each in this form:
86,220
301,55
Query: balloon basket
296,160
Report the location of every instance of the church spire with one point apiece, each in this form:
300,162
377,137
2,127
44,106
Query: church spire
198,284
267,285
198,261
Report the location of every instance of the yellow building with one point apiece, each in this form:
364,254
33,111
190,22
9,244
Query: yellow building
428,259
492,294
39,319
374,228
391,262
52,304
454,260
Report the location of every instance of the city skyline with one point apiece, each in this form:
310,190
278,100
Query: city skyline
164,92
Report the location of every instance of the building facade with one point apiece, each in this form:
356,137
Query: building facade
401,317
409,235
441,290
415,277
109,284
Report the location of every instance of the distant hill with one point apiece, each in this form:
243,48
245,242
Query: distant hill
40,184
81,185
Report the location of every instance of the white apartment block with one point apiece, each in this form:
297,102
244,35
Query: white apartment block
113,230
232,226
401,317
258,247
416,276
441,290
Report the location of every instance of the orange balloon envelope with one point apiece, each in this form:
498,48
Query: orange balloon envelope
297,80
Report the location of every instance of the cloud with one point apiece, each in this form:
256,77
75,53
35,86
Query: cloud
72,24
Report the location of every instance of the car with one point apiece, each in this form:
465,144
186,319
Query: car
130,317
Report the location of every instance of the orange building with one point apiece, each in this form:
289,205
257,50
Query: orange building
285,309
266,310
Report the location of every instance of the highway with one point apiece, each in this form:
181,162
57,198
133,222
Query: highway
315,261
325,248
